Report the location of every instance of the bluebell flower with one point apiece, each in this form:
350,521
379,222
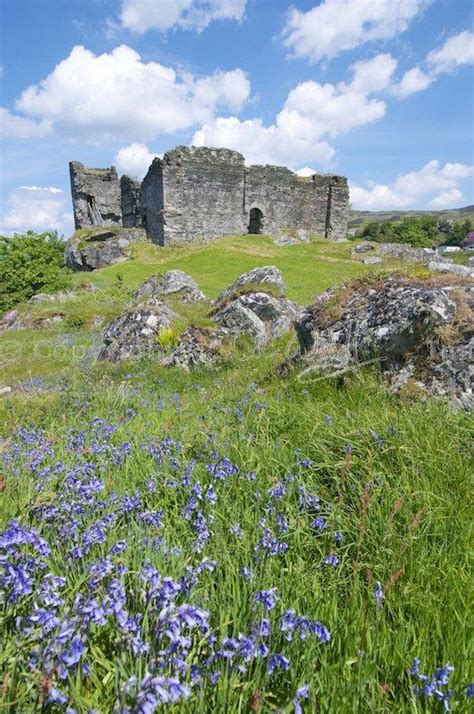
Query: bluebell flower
267,598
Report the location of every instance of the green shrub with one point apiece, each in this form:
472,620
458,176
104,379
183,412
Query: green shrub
29,264
420,232
167,338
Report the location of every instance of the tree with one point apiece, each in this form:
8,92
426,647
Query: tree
30,263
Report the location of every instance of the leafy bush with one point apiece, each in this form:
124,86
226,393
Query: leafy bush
30,263
420,232
454,233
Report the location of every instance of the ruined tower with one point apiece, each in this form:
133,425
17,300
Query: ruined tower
197,193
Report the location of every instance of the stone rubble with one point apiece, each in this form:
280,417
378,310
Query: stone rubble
101,249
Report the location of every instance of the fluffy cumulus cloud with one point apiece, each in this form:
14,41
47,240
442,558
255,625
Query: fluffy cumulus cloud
458,50
13,126
143,15
117,95
334,26
411,188
312,111
38,209
134,160
415,80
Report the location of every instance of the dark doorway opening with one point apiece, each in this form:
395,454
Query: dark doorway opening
256,221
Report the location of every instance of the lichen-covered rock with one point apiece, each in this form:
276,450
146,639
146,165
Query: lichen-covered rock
174,283
363,248
464,271
402,251
134,333
264,317
418,332
372,260
266,276
197,347
101,249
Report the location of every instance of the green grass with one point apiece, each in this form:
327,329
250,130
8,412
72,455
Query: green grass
396,475
392,475
307,269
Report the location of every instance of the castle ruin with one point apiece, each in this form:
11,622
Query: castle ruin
197,193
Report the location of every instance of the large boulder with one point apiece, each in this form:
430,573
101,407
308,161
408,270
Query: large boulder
413,330
103,248
264,317
402,251
364,247
267,278
174,283
464,271
134,334
197,347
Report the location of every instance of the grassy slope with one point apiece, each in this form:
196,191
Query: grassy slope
400,498
360,218
308,269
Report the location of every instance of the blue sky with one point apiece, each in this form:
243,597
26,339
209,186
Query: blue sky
377,90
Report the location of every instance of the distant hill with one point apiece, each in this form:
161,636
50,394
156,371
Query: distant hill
360,218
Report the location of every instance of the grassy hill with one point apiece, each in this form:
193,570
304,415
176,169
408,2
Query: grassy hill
220,540
361,218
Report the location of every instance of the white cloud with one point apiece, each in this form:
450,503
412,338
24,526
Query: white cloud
134,160
38,209
456,51
311,112
142,15
411,188
117,95
13,126
306,171
334,26
415,80
447,199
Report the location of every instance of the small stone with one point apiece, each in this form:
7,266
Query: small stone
373,260
5,390
174,283
268,275
363,248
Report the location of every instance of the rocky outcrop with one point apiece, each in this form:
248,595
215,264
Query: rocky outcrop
130,197
414,330
197,347
100,249
174,283
464,271
267,277
134,334
402,251
265,317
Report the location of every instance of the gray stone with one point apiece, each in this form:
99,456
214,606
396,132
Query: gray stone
5,390
470,261
134,334
263,316
266,276
130,201
198,347
101,249
402,251
363,248
464,271
198,193
418,333
174,283
373,260
95,196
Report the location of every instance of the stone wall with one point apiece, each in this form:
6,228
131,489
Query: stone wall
96,196
203,193
196,193
130,199
151,202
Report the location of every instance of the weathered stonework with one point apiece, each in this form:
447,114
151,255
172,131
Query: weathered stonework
197,193
95,196
130,198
